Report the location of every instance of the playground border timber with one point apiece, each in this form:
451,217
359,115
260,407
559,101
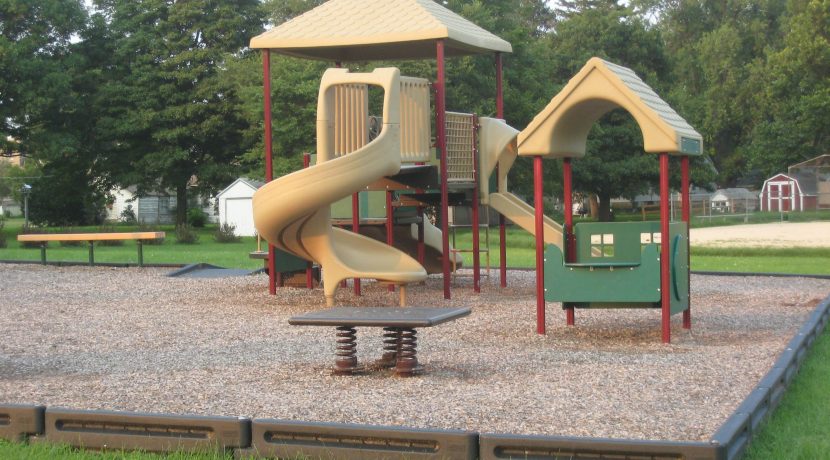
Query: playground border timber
253,438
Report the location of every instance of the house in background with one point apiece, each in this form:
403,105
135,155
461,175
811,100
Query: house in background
814,178
235,208
805,187
733,200
783,193
153,208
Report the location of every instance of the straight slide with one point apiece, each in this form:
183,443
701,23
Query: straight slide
498,152
293,212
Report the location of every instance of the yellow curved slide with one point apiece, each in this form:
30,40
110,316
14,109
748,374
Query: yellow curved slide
498,147
293,212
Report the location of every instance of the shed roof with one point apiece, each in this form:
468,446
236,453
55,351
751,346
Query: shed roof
561,129
363,30
254,185
733,193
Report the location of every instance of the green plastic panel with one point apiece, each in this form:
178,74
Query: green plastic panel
372,206
618,265
639,283
287,262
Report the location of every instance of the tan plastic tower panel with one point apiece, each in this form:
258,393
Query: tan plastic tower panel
561,129
293,212
364,30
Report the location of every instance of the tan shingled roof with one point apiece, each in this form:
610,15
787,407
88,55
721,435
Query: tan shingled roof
351,30
561,129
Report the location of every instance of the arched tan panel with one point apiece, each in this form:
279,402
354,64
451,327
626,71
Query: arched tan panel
561,129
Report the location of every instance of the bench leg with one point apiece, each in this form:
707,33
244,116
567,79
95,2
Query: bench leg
140,253
346,361
43,253
91,253
407,364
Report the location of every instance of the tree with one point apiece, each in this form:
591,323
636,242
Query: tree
615,164
716,47
34,46
172,117
792,118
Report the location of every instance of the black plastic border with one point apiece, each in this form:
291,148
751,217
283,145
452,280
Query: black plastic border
736,433
17,421
144,431
339,440
273,438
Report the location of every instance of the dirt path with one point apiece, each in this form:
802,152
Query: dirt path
775,235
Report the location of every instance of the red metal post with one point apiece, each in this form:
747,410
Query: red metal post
441,137
685,191
269,170
538,197
568,246
390,227
502,223
665,295
476,242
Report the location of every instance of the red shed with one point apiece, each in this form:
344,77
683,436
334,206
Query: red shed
784,193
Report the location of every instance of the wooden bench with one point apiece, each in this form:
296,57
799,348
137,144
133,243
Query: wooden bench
44,238
400,339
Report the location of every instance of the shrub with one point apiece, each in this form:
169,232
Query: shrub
186,235
128,215
196,217
226,233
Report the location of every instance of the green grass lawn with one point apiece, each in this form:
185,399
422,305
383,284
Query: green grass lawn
800,427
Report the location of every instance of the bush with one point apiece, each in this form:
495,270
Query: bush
186,235
226,233
196,217
128,215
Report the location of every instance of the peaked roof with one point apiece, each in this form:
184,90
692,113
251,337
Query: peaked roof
251,183
561,129
351,30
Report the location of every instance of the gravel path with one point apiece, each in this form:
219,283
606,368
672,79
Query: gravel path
133,339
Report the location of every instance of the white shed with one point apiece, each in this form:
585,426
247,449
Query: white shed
235,205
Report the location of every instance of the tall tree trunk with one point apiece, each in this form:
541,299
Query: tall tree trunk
181,204
604,208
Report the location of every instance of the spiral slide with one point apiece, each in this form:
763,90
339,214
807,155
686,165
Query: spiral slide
498,148
293,212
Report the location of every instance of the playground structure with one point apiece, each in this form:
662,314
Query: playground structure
293,212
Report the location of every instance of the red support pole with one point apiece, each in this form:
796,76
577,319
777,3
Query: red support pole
269,152
502,223
538,198
665,263
476,242
685,191
441,137
390,228
568,246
